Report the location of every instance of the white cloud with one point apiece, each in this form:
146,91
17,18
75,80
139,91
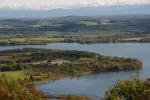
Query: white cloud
54,4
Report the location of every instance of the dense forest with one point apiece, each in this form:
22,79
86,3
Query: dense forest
41,64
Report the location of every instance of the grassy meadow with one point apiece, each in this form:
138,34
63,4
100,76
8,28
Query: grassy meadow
14,75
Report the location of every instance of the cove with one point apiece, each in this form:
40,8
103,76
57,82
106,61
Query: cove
94,85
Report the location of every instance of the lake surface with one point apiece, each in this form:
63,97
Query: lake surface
95,85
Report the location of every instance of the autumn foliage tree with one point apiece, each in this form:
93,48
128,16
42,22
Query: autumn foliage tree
129,90
16,90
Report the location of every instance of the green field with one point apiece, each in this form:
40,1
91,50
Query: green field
14,75
29,40
88,22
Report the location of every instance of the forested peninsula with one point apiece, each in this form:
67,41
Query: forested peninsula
51,64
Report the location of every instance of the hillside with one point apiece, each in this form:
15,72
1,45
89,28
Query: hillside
77,24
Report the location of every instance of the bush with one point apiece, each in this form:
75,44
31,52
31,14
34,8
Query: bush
129,90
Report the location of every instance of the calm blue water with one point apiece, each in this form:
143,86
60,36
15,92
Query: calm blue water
95,84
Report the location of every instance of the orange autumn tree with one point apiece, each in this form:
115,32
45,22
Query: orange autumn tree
16,90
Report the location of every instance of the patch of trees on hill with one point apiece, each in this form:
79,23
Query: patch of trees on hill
135,89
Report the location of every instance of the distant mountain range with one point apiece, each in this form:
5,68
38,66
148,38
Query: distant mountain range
82,11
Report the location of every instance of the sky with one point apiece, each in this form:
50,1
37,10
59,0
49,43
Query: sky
64,4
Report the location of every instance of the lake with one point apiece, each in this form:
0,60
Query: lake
94,85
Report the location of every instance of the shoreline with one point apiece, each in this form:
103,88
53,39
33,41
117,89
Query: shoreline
73,42
79,75
59,78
